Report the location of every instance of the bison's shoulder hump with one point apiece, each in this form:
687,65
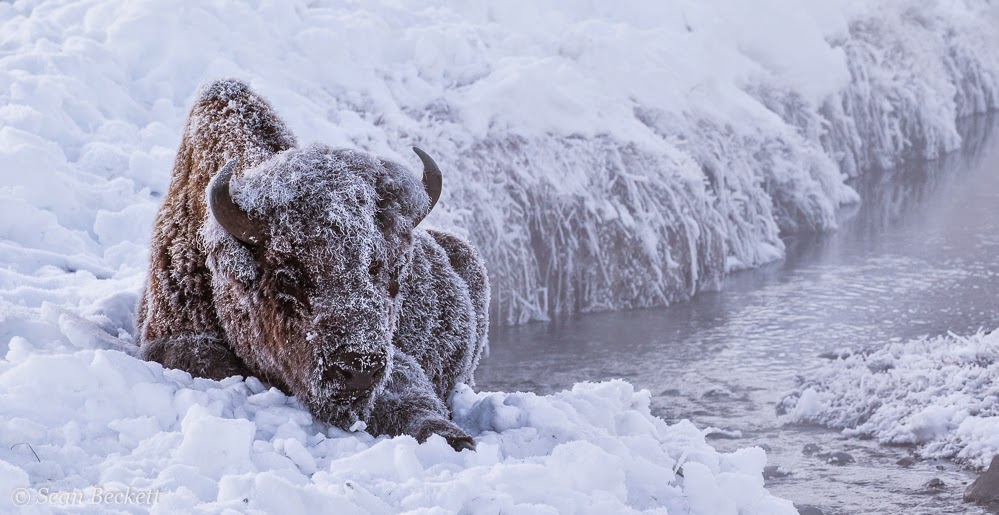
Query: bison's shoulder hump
460,252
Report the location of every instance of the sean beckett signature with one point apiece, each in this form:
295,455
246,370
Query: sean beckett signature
96,495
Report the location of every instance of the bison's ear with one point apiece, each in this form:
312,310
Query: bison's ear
432,181
230,216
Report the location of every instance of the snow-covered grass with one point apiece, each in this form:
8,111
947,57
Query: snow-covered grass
940,394
601,156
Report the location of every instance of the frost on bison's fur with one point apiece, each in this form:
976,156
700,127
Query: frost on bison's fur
304,267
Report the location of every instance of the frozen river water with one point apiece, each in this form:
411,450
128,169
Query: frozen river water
919,256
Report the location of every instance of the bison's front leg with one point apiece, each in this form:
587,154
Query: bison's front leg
197,354
408,405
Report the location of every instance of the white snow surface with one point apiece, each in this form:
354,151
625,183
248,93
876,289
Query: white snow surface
103,419
940,394
600,155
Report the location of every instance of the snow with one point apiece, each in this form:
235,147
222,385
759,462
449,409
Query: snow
940,394
211,446
601,156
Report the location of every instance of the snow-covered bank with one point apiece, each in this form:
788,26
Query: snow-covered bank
103,419
601,156
940,394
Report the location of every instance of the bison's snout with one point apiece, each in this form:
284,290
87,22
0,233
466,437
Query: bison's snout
354,373
359,380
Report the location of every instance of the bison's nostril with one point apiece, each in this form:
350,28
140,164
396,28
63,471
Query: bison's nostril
333,376
359,379
351,373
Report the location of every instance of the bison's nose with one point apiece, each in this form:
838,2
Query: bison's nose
351,379
359,379
353,373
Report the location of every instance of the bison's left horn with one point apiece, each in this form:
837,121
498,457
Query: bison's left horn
432,180
231,217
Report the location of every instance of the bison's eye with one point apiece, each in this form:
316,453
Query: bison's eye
286,282
376,269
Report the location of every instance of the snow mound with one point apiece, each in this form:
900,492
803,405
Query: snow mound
940,394
104,419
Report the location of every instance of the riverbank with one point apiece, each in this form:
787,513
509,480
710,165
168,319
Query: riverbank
916,259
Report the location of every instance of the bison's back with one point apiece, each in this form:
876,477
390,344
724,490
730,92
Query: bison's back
444,321
227,120
468,264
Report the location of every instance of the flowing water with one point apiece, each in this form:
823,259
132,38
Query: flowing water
919,256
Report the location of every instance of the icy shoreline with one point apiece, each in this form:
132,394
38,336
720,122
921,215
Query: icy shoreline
940,394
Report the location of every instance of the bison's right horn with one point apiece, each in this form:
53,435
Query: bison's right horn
231,217
432,181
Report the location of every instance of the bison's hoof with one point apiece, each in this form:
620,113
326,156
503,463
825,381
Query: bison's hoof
461,443
455,437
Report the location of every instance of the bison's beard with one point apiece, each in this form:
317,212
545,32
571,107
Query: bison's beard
340,407
341,412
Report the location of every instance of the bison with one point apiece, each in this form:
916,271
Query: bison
304,267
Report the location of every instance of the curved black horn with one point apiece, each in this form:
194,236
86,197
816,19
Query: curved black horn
432,180
231,217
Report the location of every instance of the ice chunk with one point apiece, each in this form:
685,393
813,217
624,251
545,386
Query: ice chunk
216,445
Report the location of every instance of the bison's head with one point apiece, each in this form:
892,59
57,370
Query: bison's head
307,250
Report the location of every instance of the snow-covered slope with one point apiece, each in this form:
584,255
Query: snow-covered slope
940,394
601,155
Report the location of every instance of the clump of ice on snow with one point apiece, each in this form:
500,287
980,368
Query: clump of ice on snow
940,394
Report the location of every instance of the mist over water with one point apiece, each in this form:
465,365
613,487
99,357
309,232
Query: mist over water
919,256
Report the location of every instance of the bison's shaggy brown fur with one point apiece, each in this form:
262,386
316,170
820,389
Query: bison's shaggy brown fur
343,301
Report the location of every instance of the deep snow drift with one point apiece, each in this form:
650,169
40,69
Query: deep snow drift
940,394
610,156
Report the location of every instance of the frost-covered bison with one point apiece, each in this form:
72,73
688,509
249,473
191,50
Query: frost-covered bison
305,267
